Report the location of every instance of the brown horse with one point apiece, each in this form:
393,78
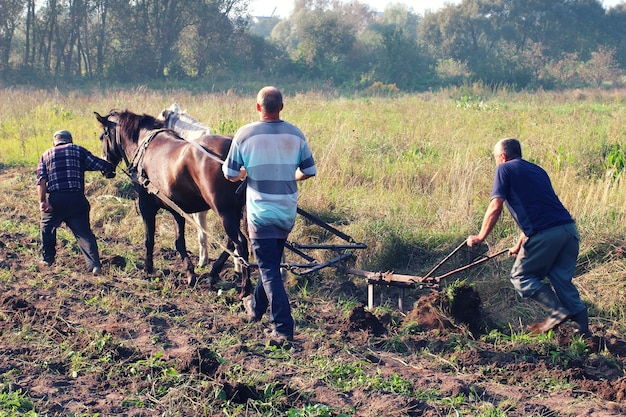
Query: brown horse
168,171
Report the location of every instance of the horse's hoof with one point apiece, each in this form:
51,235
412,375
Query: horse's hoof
213,279
192,281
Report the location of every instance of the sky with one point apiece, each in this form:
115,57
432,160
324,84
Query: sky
283,8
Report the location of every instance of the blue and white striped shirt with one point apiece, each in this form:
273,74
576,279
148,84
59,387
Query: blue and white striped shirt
270,152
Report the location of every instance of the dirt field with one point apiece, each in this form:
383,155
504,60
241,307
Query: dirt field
130,345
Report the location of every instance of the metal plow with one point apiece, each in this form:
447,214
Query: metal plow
345,251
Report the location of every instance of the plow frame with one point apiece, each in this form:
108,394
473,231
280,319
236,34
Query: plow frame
388,279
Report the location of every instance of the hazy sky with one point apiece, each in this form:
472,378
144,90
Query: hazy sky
283,8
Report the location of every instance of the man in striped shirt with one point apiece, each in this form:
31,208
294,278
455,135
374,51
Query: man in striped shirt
61,191
272,155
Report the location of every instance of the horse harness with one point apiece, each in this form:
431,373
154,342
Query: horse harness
136,165
137,175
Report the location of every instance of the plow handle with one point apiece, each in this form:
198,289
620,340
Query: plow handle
470,265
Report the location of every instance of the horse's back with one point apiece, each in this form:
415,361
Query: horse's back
182,123
217,144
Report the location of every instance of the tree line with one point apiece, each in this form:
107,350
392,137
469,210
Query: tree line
519,43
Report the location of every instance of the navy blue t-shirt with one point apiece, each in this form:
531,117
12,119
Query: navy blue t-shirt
529,196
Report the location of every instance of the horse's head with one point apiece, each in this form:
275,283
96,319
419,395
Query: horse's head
183,124
109,138
169,116
121,132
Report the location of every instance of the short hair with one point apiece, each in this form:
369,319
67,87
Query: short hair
511,148
270,99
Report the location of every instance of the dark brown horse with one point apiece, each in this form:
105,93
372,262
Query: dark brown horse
168,171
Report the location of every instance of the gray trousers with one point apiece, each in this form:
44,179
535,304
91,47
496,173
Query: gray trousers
71,208
551,253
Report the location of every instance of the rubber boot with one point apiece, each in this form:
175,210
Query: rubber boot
582,320
550,302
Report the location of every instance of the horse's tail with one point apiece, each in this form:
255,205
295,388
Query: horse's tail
240,195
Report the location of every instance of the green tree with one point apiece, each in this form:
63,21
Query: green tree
324,40
398,58
613,33
10,11
510,41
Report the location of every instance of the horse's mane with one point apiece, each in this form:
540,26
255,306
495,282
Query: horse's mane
131,123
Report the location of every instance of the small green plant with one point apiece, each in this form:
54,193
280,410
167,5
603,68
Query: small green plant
454,403
16,404
152,363
578,349
346,376
451,290
394,384
79,363
303,288
346,306
395,344
315,410
410,328
615,159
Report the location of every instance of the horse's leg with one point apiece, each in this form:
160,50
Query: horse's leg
201,219
182,249
237,241
242,249
148,210
246,284
218,265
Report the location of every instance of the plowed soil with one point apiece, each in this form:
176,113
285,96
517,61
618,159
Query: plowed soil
121,343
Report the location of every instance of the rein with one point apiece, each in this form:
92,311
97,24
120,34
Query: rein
209,154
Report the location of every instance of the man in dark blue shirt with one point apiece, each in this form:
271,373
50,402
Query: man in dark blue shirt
549,242
61,192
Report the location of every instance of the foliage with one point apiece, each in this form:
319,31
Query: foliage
14,403
379,89
615,159
519,43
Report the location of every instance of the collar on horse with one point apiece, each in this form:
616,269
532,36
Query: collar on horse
135,167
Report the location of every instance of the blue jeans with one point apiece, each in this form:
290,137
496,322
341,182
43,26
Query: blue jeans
550,253
270,290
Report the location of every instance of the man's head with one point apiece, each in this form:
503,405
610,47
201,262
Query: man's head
61,137
269,101
507,149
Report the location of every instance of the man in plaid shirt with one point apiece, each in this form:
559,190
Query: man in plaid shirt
61,191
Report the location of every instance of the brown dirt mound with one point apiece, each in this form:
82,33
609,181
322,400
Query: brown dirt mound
445,310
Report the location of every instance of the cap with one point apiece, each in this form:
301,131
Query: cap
62,136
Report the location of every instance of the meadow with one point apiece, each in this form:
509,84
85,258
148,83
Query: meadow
409,175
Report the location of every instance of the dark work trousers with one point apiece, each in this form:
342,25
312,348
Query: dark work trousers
72,208
550,253
270,290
